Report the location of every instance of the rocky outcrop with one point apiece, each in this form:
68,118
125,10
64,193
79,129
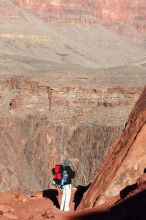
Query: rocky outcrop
31,94
129,204
44,205
125,162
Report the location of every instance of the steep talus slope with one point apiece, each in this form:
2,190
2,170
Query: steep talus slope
29,45
126,17
125,162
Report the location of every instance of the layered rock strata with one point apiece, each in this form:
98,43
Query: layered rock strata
8,10
126,18
112,13
125,162
42,125
113,10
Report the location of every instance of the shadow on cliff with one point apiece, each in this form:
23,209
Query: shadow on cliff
52,194
128,189
79,194
133,208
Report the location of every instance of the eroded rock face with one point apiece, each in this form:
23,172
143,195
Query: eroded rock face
125,162
113,10
127,18
8,10
42,126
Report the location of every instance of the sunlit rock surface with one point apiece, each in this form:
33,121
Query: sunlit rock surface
125,162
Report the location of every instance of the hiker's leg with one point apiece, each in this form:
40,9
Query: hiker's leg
67,197
63,199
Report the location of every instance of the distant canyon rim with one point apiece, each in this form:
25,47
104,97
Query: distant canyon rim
70,74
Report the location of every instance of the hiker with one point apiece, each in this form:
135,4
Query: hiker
65,187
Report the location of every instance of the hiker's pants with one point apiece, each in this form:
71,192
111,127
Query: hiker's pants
66,198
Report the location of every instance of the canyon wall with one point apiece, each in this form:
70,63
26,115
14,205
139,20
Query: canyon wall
31,146
125,162
113,13
113,10
125,17
8,10
42,126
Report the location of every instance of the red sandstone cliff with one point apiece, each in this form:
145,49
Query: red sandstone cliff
125,162
8,10
126,17
113,10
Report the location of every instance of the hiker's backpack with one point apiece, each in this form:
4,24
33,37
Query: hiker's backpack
57,174
67,175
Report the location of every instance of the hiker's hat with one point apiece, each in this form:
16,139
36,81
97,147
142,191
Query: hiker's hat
66,162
